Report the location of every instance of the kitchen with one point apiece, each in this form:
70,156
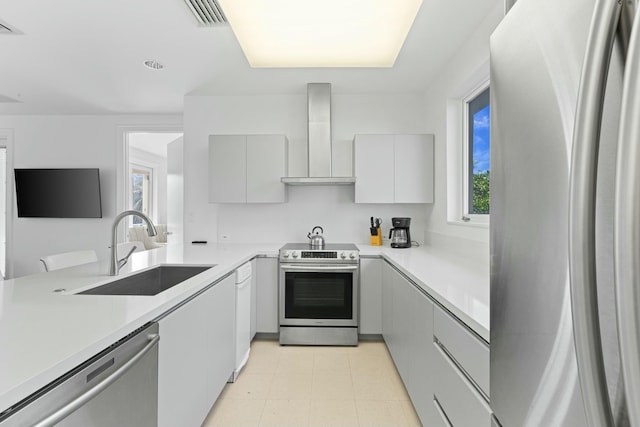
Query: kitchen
212,110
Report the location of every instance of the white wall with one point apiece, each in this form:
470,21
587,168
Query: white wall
330,207
68,141
451,80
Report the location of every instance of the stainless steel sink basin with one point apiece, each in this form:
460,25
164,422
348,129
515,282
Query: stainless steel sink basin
149,282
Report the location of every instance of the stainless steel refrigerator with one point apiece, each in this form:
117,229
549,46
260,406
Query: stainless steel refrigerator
565,214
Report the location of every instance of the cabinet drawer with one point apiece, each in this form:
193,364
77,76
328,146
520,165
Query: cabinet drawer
461,403
471,353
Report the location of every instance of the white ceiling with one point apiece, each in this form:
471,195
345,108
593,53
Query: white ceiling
85,57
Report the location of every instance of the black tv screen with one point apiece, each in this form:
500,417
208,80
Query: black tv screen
58,193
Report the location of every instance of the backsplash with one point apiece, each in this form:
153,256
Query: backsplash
473,250
331,207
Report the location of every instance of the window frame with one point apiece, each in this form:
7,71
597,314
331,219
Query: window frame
134,166
466,216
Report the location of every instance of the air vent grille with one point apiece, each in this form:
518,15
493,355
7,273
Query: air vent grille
4,29
207,12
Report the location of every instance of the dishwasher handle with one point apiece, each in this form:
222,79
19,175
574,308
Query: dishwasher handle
81,400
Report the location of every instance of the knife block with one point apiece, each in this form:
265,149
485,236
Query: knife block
377,239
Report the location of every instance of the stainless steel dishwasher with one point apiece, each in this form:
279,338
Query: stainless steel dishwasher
117,387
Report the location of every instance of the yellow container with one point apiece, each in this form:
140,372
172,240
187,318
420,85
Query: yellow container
377,240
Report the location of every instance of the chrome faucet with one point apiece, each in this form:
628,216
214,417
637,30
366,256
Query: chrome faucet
114,263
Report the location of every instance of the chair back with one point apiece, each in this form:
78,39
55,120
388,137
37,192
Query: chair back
68,259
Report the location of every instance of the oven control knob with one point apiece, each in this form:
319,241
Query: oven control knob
343,255
294,254
285,254
352,255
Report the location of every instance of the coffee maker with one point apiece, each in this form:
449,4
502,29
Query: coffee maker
399,234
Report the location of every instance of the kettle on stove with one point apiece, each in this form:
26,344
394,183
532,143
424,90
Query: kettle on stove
316,239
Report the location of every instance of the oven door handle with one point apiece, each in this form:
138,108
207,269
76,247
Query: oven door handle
319,267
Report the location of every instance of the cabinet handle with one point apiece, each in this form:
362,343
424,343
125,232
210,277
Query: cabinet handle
440,410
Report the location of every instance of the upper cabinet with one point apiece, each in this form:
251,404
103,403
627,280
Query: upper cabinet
247,168
393,168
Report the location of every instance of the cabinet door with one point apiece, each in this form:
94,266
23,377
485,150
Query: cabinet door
182,360
413,164
227,169
370,296
266,164
408,316
267,295
221,336
420,382
196,355
387,304
373,168
254,297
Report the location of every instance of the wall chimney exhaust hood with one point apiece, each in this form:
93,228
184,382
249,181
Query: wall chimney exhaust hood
319,140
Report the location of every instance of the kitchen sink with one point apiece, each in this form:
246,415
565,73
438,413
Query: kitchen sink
149,282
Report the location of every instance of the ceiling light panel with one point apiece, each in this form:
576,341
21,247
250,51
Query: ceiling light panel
328,33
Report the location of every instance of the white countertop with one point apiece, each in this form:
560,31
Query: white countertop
44,334
459,283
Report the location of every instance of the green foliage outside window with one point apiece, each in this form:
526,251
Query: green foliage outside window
481,193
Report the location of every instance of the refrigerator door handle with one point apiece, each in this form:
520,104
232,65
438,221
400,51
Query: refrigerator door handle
627,228
582,207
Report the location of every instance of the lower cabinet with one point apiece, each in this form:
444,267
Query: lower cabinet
407,325
196,355
462,374
254,298
444,366
266,274
370,296
460,403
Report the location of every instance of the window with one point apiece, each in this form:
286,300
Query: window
141,179
477,143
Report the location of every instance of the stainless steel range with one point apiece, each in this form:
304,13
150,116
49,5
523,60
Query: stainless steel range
319,294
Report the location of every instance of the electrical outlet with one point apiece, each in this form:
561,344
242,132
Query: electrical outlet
225,237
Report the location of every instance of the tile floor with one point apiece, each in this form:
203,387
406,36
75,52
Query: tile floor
315,386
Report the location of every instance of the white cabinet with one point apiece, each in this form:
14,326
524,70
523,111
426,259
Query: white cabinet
247,168
254,297
461,373
370,295
393,168
267,295
196,355
373,168
407,324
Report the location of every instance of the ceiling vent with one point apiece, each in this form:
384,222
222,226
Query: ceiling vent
207,12
6,29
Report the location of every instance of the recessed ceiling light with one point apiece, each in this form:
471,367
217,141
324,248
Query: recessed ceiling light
330,33
153,64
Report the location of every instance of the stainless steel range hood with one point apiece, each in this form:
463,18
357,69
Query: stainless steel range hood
319,140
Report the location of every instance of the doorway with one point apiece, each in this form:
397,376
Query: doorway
151,166
6,203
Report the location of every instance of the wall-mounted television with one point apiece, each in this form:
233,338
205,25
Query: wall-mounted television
58,193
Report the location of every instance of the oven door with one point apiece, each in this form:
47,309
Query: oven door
318,295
